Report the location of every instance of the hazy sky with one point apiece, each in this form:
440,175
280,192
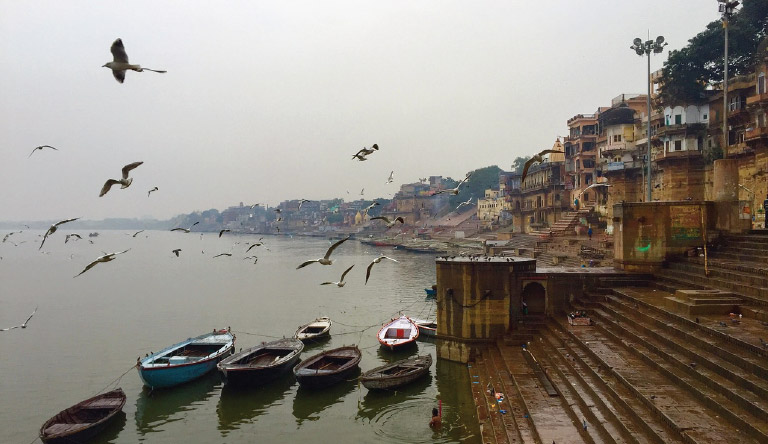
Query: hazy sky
267,101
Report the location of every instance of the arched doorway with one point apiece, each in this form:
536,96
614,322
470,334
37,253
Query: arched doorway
534,295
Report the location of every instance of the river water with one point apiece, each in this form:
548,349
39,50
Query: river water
89,330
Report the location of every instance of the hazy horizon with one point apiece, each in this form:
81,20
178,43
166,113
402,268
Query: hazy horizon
265,102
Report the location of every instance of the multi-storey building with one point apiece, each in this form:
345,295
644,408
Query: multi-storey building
581,152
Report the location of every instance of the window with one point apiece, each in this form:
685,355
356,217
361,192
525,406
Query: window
740,137
617,138
678,145
761,83
666,146
704,116
678,119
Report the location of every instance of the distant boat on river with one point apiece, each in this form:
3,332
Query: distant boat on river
396,374
83,420
187,360
316,330
328,368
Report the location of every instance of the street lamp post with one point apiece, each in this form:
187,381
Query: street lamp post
726,8
645,48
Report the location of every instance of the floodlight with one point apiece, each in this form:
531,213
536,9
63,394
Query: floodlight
637,41
660,40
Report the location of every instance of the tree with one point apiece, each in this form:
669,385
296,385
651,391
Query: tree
688,72
480,180
519,163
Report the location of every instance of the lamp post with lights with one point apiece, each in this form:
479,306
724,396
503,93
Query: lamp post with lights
646,48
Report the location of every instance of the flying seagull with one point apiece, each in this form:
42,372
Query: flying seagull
24,325
53,229
341,282
536,158
226,230
106,258
455,190
150,191
124,182
365,210
186,230
120,64
257,244
136,233
5,238
593,186
223,254
390,223
254,205
176,251
391,177
301,202
325,260
466,202
375,261
362,191
66,239
40,148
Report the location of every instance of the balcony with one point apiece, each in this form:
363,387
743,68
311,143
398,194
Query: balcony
617,147
676,155
756,134
757,99
690,128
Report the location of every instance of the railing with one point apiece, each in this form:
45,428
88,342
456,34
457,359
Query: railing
758,98
756,133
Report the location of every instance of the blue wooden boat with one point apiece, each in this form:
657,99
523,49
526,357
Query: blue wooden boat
431,292
187,360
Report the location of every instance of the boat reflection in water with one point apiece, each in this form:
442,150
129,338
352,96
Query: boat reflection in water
154,408
241,404
308,403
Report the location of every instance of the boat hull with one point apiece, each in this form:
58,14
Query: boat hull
59,428
254,366
378,379
177,374
328,368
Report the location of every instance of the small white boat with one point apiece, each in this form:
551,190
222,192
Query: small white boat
427,328
318,329
398,333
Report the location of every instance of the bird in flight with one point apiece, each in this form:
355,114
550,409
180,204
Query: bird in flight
106,258
137,233
375,261
325,260
119,63
5,238
391,177
594,185
23,325
176,251
124,182
73,235
390,223
53,229
256,244
341,282
223,254
301,202
226,230
537,158
186,230
455,190
466,202
360,157
254,205
362,191
40,148
150,191
365,210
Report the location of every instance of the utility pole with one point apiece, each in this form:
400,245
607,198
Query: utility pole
726,8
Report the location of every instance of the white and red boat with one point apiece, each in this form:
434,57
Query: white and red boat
398,333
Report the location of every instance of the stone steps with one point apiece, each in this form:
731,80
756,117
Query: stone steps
702,388
716,271
693,280
480,379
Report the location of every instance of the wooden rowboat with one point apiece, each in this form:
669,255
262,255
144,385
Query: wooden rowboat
427,328
316,330
328,368
262,363
187,360
83,420
397,373
398,333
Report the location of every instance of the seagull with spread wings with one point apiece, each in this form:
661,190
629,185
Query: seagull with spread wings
594,185
53,229
375,261
72,235
226,230
40,148
325,260
186,230
108,257
137,233
454,191
391,177
537,158
150,191
23,325
119,63
341,282
223,254
124,182
176,251
466,202
5,238
390,223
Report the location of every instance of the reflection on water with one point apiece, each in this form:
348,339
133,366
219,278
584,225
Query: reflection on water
242,404
115,426
458,409
308,403
159,407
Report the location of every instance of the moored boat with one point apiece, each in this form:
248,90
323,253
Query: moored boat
328,368
261,364
427,328
316,330
397,373
398,333
186,360
83,420
431,292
